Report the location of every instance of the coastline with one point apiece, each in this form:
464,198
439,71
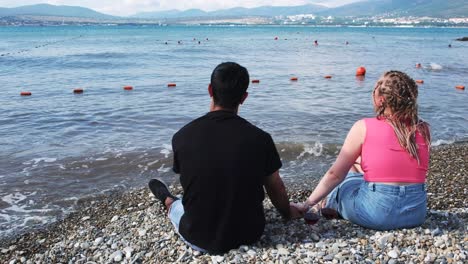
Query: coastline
132,227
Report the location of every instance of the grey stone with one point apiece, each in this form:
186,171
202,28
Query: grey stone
315,237
84,245
436,232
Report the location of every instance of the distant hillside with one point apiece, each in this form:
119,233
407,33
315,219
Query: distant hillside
432,8
172,14
416,8
52,10
268,11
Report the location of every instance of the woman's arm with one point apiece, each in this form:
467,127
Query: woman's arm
350,151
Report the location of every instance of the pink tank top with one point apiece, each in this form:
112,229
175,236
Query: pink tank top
384,160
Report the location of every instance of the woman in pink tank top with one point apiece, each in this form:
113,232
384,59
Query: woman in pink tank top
377,180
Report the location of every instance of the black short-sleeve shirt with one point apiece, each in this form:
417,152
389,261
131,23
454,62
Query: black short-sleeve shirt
223,161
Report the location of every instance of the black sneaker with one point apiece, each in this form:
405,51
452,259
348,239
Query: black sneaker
160,190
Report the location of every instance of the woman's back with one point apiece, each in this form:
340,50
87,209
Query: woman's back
385,160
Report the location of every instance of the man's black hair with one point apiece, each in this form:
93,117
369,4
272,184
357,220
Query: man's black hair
229,82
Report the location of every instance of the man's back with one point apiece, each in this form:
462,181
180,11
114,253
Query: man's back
223,161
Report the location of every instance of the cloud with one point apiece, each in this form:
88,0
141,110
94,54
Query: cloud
129,7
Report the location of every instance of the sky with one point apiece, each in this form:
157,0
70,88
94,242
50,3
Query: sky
130,7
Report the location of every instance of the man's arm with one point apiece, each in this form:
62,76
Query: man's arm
277,192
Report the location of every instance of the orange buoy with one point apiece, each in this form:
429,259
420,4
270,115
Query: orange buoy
255,81
78,91
128,88
171,85
328,76
25,93
294,79
419,81
418,65
460,87
361,71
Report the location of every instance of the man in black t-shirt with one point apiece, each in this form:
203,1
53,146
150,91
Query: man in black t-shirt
224,163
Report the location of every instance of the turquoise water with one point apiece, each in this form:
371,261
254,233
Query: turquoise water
57,147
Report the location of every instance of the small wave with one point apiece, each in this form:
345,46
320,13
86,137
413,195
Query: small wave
101,55
164,169
442,142
316,150
435,66
14,198
167,150
38,160
299,151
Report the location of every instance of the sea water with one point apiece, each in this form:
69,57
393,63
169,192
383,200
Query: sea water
57,147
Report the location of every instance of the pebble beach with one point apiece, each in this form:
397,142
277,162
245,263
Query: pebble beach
132,227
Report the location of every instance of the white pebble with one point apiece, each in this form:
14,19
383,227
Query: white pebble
393,254
115,218
439,243
217,259
84,245
142,232
384,239
98,241
85,218
117,256
128,252
283,251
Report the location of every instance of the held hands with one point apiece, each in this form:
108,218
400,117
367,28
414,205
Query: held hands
304,210
297,210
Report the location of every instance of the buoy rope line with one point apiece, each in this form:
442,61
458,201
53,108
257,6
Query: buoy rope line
39,46
360,73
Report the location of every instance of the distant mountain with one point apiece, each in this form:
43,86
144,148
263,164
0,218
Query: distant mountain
417,8
432,8
172,14
268,11
53,10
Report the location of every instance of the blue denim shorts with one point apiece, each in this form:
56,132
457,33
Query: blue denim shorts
379,206
175,214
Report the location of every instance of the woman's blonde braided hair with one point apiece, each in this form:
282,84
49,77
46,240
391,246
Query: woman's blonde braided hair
400,93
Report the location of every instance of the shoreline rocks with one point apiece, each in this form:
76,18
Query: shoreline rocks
133,227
